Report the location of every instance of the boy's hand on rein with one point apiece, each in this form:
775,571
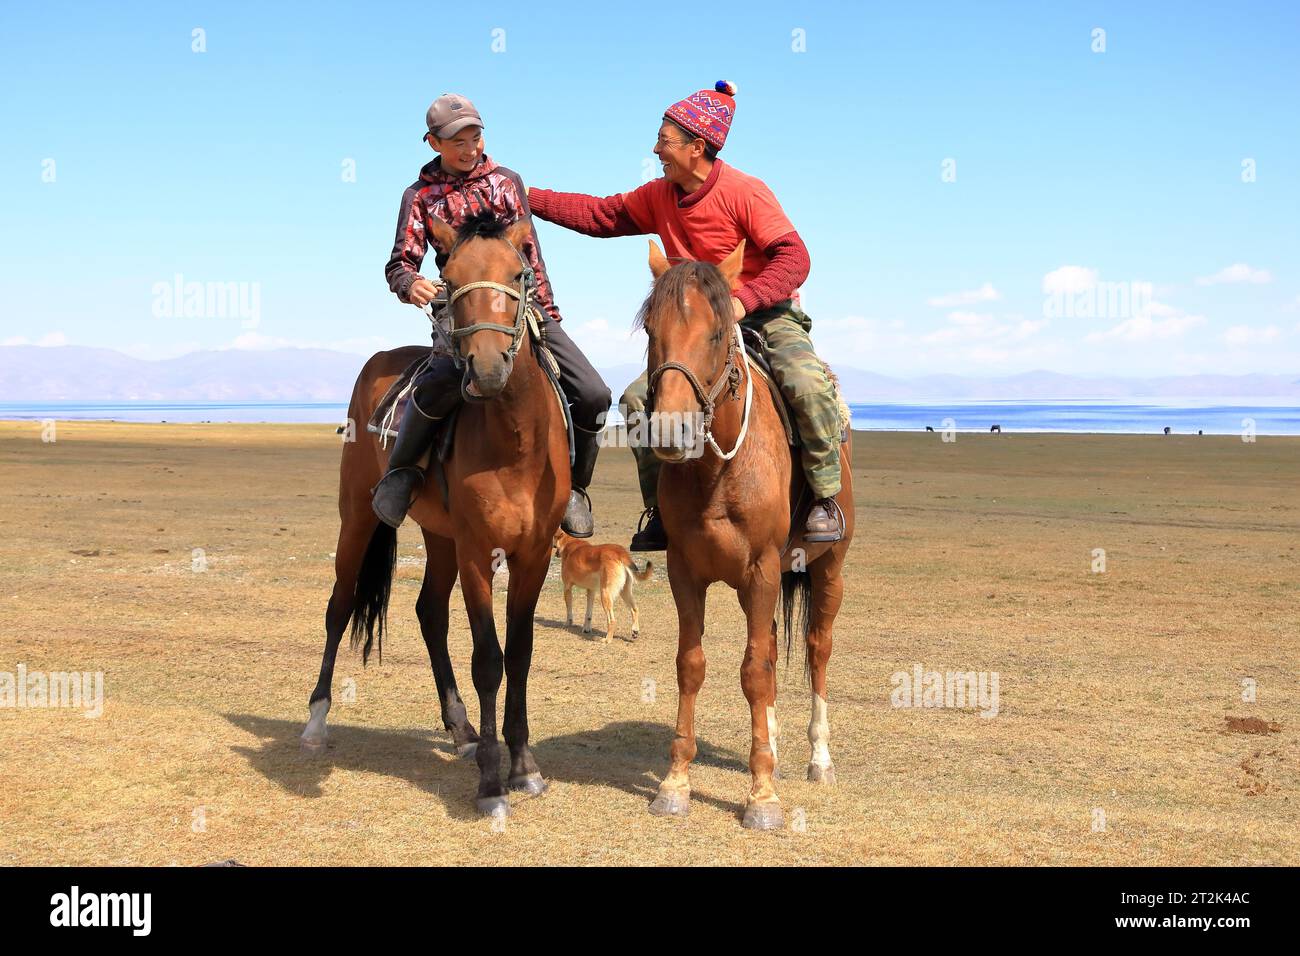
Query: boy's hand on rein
422,291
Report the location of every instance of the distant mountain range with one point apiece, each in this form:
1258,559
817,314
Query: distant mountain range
73,373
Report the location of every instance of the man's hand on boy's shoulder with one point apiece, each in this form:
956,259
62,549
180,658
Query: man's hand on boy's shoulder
422,291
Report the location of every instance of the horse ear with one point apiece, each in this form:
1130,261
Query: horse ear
658,261
732,266
441,235
520,232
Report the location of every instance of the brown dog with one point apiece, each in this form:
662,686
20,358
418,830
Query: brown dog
605,567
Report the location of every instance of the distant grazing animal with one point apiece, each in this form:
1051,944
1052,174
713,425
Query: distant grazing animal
929,428
607,568
1166,429
996,428
1200,431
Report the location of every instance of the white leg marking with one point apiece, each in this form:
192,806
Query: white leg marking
773,731
315,733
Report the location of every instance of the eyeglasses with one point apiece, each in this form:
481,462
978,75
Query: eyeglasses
674,143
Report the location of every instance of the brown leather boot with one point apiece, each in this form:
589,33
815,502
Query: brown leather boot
825,521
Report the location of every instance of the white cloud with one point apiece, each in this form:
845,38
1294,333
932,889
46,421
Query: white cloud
985,293
1068,280
1238,336
46,341
982,327
1145,329
969,343
1163,310
256,341
1026,328
1236,273
606,345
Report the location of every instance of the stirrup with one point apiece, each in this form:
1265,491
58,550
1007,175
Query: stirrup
820,537
377,492
574,533
395,471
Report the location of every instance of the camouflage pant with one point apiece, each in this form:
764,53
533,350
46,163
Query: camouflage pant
801,379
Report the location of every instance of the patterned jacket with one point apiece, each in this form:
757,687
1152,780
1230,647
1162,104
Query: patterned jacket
453,199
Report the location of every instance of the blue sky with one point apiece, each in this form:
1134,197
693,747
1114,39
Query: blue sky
1073,167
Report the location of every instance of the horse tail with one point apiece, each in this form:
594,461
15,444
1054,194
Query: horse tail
641,575
796,588
374,583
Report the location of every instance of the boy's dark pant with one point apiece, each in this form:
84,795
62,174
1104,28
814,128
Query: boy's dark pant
586,392
588,395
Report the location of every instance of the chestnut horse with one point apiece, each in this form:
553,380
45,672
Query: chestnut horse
728,518
507,486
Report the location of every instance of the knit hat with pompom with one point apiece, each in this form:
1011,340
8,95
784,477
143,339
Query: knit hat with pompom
707,113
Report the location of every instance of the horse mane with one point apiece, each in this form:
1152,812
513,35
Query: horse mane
483,225
671,288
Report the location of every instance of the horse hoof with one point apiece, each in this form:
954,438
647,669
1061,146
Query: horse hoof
312,746
635,635
823,775
531,784
776,773
763,816
493,806
465,751
671,803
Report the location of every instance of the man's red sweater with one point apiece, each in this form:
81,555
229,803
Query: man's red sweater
707,225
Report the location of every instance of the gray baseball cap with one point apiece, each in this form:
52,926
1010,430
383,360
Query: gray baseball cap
449,114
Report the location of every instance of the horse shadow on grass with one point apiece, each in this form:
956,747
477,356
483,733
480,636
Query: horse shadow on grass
628,755
415,756
625,755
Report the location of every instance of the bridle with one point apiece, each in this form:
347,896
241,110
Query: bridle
516,331
728,378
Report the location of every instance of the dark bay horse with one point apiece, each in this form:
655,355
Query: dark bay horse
727,512
508,483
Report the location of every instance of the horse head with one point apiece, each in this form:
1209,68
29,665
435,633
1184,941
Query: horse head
489,283
692,356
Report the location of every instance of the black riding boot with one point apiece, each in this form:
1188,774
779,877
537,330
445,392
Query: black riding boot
437,392
578,521
650,534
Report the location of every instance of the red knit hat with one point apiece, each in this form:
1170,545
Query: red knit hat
707,113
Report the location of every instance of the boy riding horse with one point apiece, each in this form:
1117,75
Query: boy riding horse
461,183
702,209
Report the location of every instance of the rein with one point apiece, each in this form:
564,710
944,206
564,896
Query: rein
729,377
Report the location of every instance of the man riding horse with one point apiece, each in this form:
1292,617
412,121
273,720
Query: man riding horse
703,209
464,182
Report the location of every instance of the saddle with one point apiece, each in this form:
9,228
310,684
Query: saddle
756,350
388,415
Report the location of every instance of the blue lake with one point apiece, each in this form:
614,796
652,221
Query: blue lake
1132,417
